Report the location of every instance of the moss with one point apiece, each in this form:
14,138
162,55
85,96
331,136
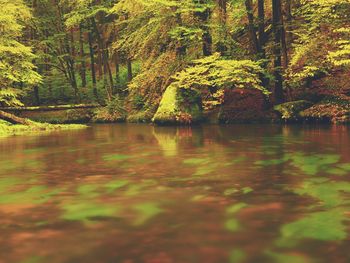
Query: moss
7,129
291,110
142,116
60,116
179,106
168,109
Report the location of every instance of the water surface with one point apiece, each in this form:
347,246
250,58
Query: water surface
138,193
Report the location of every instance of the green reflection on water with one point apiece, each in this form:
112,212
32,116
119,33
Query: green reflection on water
288,257
327,223
232,224
35,150
235,208
115,157
330,193
33,259
86,210
32,195
325,226
237,256
115,184
310,164
146,211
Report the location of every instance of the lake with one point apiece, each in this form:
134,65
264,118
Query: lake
138,193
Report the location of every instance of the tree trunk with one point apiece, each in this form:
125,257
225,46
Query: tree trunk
99,63
129,65
70,62
36,96
204,17
262,45
277,30
104,59
14,119
92,65
284,44
222,4
222,31
82,57
288,26
117,72
72,42
261,27
251,26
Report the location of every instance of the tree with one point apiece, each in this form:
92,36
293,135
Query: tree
320,42
17,70
277,50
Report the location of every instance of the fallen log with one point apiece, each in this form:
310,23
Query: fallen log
13,118
51,108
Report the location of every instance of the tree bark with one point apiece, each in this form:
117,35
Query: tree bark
117,71
104,60
222,4
288,26
82,57
129,66
36,95
261,27
14,119
207,40
277,50
251,26
92,65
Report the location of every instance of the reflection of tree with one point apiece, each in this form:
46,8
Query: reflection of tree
167,138
171,139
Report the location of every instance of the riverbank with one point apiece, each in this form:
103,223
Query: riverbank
9,129
238,107
291,112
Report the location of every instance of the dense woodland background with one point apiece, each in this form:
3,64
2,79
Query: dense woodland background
179,60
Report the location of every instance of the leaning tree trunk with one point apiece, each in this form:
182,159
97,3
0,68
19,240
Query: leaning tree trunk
14,119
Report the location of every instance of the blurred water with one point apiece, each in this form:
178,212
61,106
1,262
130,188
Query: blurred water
137,193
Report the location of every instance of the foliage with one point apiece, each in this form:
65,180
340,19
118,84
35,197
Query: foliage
291,110
341,56
213,71
16,67
321,21
91,51
150,27
113,112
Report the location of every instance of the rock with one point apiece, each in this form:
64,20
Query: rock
241,106
330,113
141,116
290,111
179,106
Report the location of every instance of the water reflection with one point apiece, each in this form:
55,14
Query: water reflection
138,193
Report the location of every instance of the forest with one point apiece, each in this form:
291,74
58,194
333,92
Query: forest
174,131
175,62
